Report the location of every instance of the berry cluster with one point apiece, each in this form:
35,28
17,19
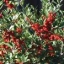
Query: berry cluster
3,50
9,5
50,49
45,31
9,36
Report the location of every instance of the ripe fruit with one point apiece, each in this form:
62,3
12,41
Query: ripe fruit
18,30
1,15
6,1
10,6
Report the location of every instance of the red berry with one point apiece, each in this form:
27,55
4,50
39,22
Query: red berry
10,6
35,26
1,15
18,30
55,37
50,47
1,62
1,53
6,1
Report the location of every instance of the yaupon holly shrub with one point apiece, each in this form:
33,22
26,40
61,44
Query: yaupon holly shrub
28,38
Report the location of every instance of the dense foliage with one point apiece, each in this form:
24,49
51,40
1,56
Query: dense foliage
29,38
